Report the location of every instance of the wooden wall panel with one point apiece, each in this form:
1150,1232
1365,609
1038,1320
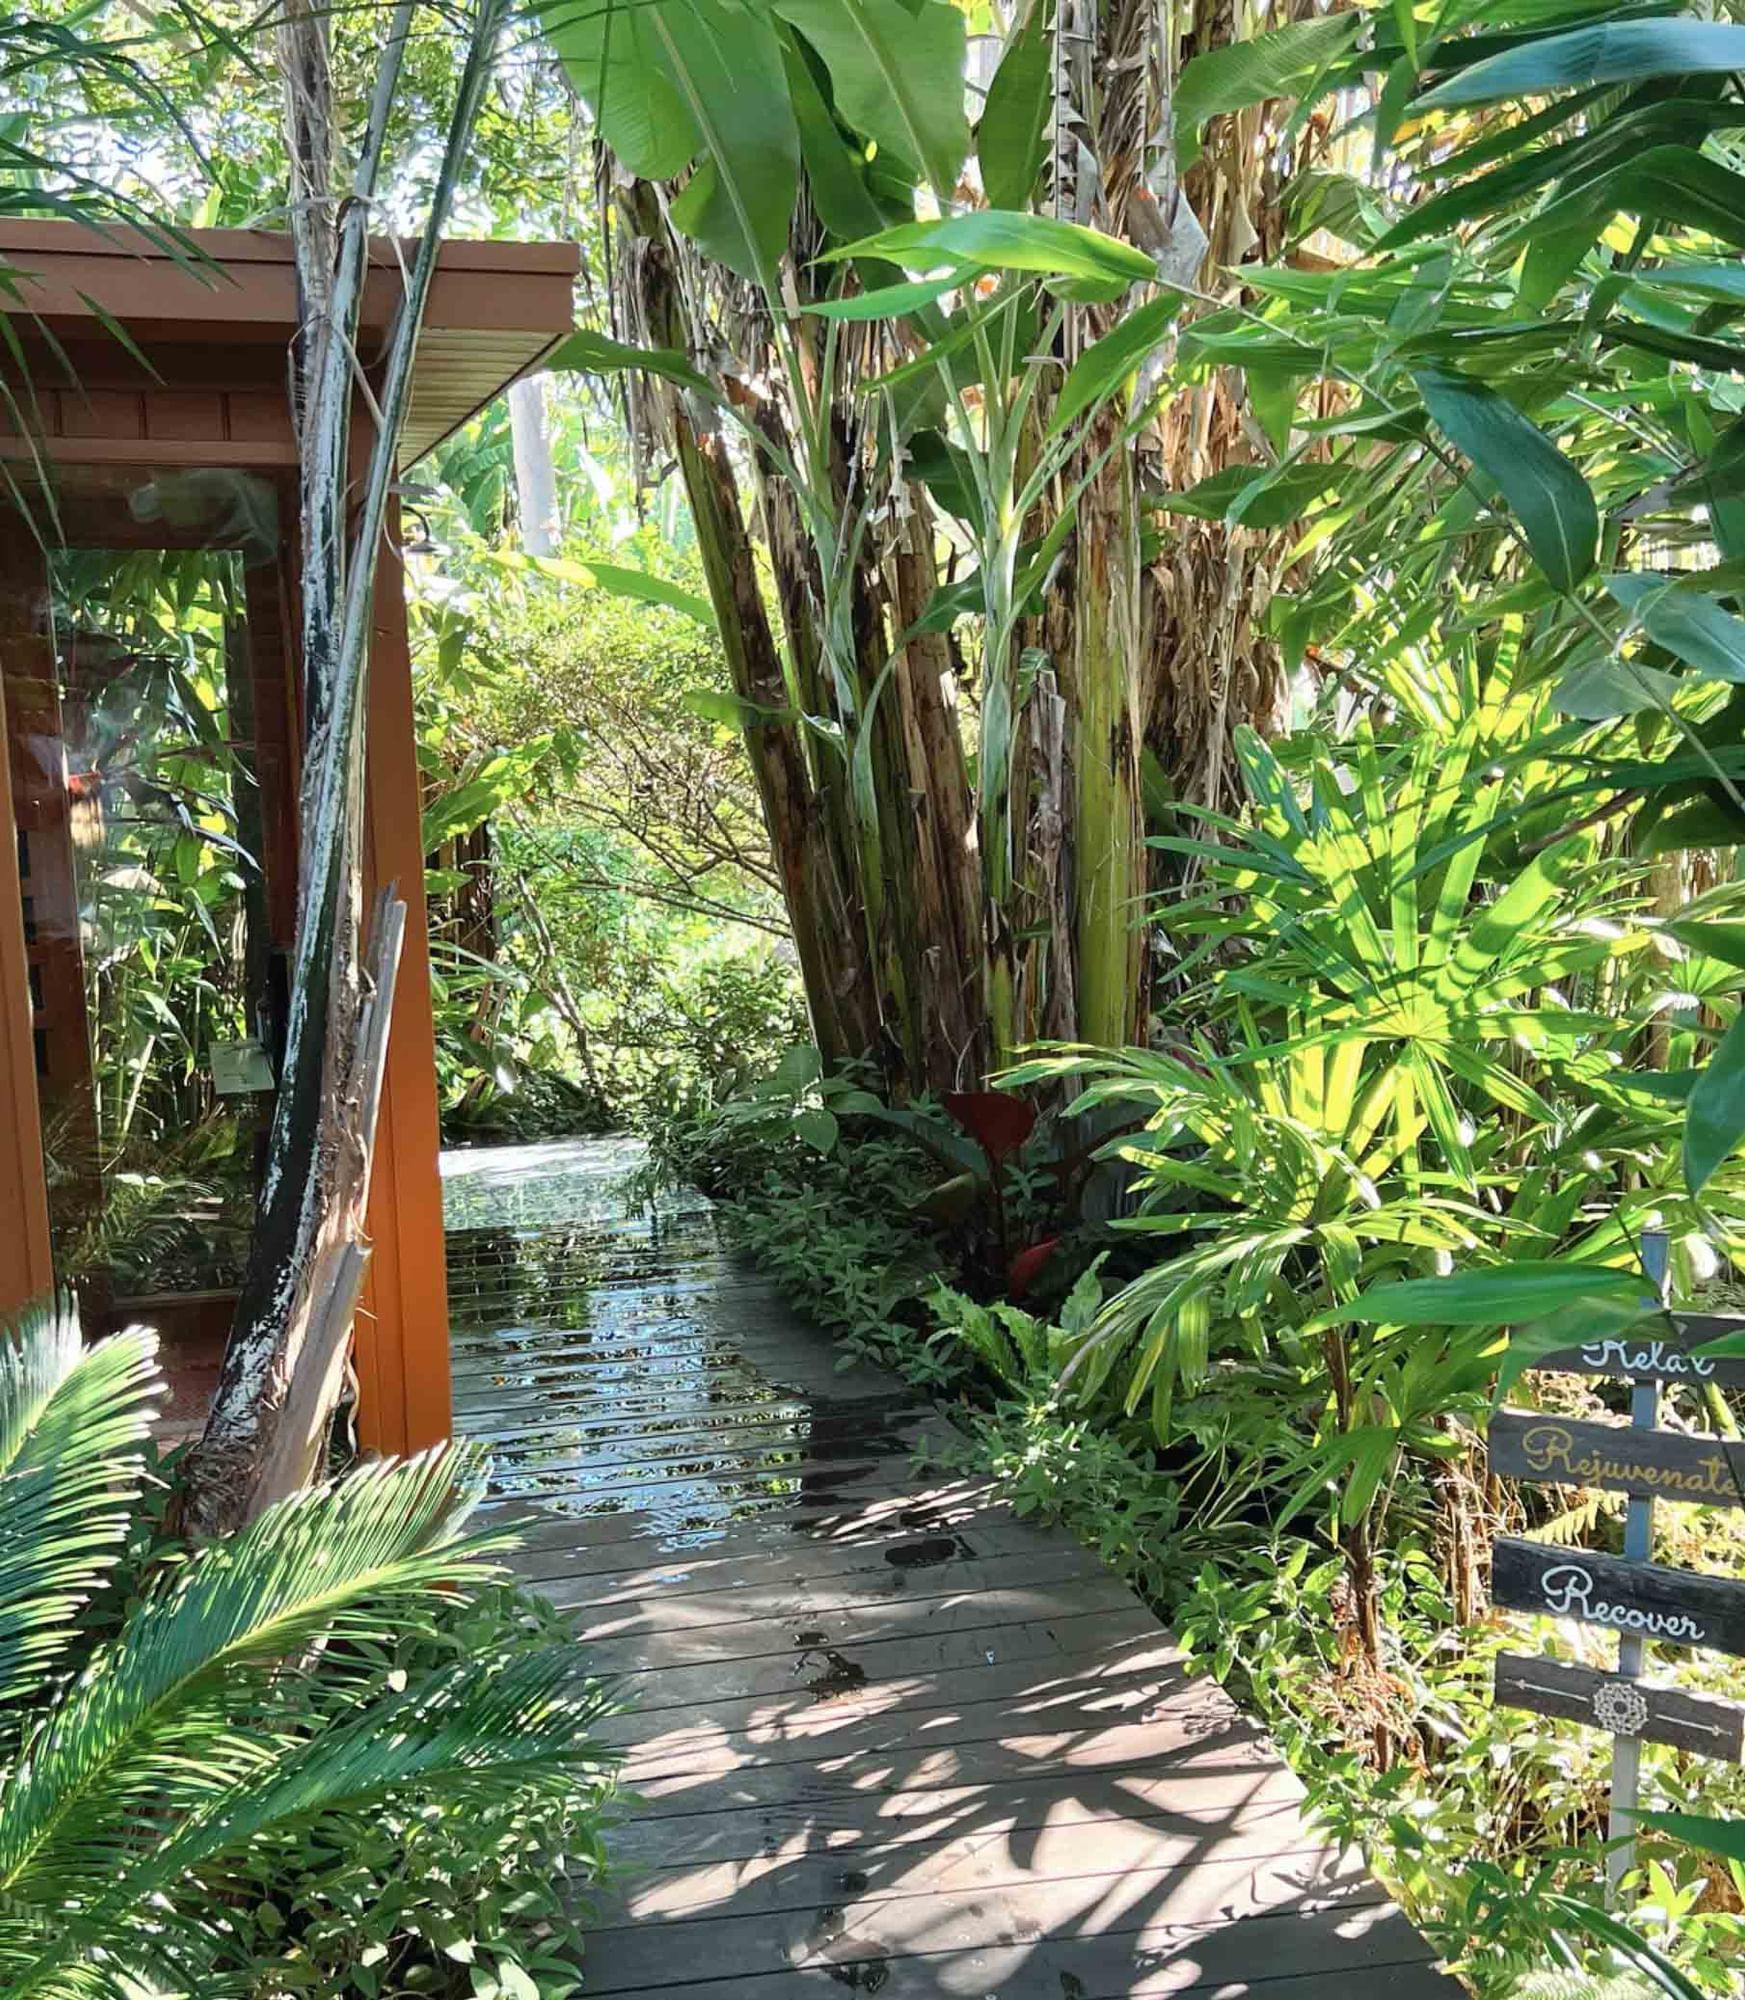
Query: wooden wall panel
26,1262
26,1265
101,413
402,1340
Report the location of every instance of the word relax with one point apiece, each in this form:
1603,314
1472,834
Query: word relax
1552,1449
1569,1593
1644,1357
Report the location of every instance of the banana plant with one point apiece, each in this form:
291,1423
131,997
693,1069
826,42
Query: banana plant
937,403
1009,463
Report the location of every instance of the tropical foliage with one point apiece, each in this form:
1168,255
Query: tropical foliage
608,935
928,452
1446,979
1185,561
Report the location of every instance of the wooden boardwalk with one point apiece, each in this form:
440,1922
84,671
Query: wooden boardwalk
887,1738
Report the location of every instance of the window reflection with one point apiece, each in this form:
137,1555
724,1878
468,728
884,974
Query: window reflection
132,703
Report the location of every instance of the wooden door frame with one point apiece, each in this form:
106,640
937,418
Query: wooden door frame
402,1351
27,1268
401,1342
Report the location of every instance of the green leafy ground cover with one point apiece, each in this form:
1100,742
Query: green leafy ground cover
1147,1301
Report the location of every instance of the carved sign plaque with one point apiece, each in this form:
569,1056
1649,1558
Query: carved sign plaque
1662,1355
1700,1723
1657,1465
1642,1600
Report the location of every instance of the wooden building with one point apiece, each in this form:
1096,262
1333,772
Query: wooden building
150,739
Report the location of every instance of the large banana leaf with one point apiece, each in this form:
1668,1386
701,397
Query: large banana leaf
1611,52
699,84
897,73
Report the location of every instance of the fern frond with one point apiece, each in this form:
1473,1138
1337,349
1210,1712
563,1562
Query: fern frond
1576,1523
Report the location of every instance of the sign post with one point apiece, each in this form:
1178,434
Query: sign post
1633,1595
1632,1647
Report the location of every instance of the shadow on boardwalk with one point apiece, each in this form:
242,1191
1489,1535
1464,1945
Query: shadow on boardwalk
887,1738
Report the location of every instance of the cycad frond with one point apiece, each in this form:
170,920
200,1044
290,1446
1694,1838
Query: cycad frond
72,1425
481,1731
141,1731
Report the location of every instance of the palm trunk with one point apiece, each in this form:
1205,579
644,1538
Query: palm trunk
305,1258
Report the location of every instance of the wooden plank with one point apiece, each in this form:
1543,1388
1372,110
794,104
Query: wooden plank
1133,1683
158,453
185,413
600,1313
1147,1962
967,1907
566,1354
884,1736
1621,1458
826,1669
960,1863
1410,1979
626,1324
1677,1606
719,1488
26,1259
601,1617
1224,1761
1263,1814
875,1510
907,1567
1703,1724
684,1413
641,1560
914,1718
650,1368
402,1334
1668,1354
733,1449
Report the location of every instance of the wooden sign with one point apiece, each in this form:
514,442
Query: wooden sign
1641,1600
1655,1465
1699,1723
1664,1354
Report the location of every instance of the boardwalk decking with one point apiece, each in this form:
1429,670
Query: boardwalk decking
887,1738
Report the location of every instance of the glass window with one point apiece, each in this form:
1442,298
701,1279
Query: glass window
132,699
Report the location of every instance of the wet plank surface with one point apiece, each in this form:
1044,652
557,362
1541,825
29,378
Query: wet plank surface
886,1737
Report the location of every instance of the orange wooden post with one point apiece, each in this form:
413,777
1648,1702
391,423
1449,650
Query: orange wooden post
26,1263
402,1335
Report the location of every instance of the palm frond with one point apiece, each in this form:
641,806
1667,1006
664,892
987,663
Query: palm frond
72,1426
482,1731
343,1561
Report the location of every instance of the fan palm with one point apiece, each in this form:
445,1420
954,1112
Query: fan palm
242,1699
